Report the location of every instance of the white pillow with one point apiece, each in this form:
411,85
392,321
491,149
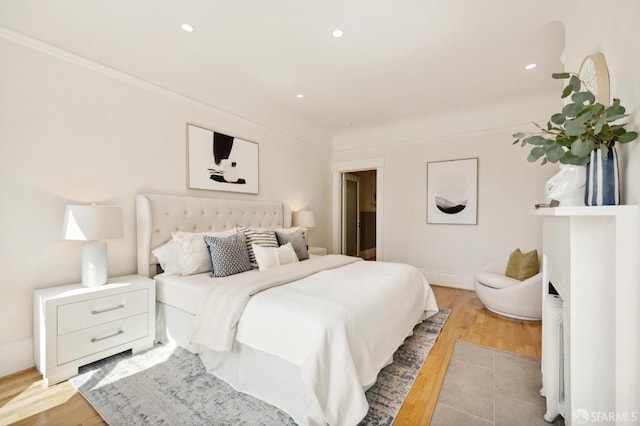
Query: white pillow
193,254
266,257
270,257
287,254
167,255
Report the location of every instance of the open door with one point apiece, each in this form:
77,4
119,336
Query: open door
350,215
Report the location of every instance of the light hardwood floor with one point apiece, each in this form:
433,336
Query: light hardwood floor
470,321
24,399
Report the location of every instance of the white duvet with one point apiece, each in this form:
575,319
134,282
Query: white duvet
339,326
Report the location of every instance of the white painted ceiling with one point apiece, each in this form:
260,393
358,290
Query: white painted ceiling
397,59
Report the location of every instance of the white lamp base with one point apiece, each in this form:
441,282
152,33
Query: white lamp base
94,264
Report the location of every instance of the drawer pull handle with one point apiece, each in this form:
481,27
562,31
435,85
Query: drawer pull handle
101,311
97,339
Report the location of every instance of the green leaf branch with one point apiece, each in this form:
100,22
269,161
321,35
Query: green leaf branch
582,126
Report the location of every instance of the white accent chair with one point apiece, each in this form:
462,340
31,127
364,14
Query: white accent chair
507,296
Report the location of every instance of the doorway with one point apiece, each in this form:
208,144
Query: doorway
359,201
352,166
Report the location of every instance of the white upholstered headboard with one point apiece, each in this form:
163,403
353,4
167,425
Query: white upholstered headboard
159,215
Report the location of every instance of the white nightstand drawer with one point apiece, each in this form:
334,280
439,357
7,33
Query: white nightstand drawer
88,313
72,346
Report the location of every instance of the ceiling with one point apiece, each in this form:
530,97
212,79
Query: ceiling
397,59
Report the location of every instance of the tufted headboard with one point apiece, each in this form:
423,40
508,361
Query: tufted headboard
159,215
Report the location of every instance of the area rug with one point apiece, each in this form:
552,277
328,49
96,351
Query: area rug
485,386
169,385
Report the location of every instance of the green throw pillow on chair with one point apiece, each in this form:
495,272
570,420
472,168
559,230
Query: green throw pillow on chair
522,265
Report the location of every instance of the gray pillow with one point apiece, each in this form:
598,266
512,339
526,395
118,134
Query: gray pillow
228,255
297,241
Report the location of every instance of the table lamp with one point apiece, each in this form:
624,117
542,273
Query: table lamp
304,219
93,223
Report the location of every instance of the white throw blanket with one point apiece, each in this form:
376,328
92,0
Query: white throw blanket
218,316
339,326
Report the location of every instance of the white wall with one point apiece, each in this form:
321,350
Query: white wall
70,134
613,30
509,186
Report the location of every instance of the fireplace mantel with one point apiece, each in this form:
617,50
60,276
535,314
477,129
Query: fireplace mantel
587,211
590,255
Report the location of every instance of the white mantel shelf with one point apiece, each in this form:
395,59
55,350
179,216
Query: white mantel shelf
585,211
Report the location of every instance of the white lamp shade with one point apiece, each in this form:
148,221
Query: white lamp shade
304,219
92,222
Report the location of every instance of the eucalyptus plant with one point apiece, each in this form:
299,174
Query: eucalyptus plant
583,125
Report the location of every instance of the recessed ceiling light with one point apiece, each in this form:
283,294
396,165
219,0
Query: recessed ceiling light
187,28
299,96
337,33
530,66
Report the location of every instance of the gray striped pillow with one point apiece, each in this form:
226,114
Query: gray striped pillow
261,237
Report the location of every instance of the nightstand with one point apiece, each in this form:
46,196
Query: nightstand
76,325
318,251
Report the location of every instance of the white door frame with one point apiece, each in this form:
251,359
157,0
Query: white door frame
350,177
338,169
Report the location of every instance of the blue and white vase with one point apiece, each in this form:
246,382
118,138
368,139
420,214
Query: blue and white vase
603,180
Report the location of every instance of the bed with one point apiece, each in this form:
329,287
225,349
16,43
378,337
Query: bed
308,337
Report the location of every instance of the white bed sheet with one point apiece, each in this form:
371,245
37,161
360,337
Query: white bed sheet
255,350
340,326
248,370
186,293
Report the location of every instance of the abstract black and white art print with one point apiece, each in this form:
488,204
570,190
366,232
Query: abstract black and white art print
452,192
221,162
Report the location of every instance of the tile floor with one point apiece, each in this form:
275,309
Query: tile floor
489,387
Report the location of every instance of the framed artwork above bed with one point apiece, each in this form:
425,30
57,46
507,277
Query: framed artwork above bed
221,162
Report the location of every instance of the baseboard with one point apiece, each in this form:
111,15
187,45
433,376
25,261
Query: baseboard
449,279
16,356
368,253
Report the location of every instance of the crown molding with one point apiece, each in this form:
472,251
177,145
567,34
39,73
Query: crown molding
65,55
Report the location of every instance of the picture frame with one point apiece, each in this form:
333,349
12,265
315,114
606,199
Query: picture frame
452,192
220,162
